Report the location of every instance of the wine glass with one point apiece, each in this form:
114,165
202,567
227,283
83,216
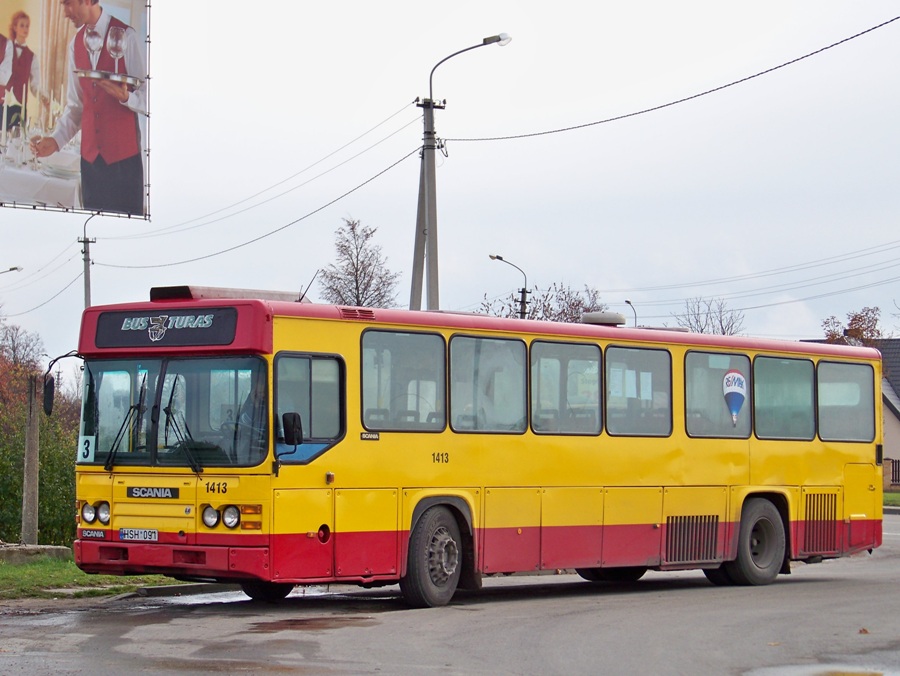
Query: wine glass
115,44
93,41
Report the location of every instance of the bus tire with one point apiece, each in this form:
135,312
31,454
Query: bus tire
435,560
621,575
718,576
761,545
269,592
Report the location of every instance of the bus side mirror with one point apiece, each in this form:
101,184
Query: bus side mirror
293,428
49,393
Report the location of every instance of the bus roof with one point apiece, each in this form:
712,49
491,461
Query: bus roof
240,320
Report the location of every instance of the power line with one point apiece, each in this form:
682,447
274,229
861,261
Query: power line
172,231
859,253
170,228
682,100
271,232
37,307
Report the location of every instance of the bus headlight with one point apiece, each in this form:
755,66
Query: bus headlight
231,516
103,513
88,513
210,517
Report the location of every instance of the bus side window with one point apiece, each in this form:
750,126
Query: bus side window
638,392
783,398
846,401
717,387
565,388
403,381
487,390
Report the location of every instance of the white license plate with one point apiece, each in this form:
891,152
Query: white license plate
140,534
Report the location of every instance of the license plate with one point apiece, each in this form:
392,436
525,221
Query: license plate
140,534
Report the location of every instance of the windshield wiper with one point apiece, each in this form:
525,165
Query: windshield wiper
134,411
184,439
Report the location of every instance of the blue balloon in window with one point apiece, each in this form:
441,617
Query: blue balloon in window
734,386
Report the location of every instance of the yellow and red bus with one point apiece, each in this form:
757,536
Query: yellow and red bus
241,437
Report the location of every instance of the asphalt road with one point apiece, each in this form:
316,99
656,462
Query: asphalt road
835,617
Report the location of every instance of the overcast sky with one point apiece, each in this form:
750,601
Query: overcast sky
778,194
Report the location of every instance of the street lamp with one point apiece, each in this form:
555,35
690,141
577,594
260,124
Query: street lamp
523,292
628,302
426,214
14,268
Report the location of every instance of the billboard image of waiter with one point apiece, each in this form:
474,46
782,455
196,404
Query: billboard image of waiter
75,105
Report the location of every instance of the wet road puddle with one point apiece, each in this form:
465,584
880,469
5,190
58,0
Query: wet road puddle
310,624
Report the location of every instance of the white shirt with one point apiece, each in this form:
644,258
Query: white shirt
70,121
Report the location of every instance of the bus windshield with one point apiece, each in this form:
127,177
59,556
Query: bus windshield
181,412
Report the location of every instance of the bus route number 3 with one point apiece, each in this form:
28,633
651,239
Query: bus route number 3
440,458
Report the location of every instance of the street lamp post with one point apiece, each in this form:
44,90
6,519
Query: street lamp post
523,292
628,302
14,268
426,241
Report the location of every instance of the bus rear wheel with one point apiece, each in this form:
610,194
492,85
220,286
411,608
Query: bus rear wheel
270,592
621,575
435,560
761,545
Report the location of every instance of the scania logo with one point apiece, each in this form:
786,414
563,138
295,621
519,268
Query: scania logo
95,534
147,492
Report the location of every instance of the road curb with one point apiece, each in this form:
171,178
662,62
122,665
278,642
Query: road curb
186,589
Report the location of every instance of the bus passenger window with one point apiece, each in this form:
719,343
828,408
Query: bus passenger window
638,392
717,388
402,381
487,385
565,388
846,402
783,398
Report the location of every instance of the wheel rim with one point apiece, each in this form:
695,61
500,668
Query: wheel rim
443,557
762,538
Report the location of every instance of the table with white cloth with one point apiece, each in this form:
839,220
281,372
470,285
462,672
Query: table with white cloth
48,184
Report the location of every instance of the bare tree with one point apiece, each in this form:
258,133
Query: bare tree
360,276
862,327
710,315
20,347
559,303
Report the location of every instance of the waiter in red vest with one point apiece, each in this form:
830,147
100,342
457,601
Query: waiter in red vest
107,112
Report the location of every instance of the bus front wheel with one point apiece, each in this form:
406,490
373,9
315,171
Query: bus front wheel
270,592
761,545
435,560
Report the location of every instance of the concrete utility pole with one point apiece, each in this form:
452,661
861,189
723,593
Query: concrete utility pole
30,482
426,242
87,263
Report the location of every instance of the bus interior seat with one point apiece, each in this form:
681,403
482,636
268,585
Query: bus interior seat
581,420
547,420
466,421
377,415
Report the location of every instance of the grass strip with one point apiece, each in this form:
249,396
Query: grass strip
46,577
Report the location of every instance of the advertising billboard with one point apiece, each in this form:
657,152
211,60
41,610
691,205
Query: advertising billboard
74,81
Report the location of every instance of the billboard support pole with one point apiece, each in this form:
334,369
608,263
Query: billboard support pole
87,263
